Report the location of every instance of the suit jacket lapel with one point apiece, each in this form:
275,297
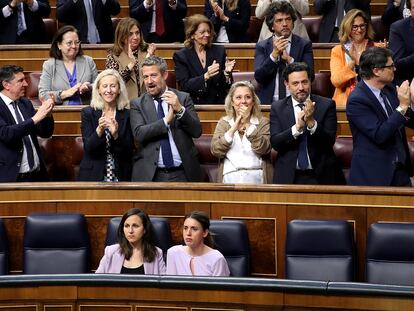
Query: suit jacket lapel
289,112
195,62
61,71
373,100
149,107
4,110
80,68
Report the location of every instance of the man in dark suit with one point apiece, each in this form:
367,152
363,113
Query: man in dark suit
303,132
21,21
164,123
377,114
20,124
273,54
161,20
394,11
332,12
402,46
92,18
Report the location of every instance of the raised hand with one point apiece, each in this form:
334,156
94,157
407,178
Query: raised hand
229,65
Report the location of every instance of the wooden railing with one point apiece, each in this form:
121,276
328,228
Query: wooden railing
265,209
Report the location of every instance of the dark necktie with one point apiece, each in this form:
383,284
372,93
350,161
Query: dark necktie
282,87
401,155
110,162
167,156
303,162
26,139
159,18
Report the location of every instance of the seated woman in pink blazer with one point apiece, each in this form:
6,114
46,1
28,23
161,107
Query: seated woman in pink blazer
196,257
135,252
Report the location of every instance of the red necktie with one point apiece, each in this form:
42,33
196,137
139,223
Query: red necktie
159,18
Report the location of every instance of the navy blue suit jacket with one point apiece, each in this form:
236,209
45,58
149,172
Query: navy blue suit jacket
92,166
190,75
11,138
373,135
320,144
74,13
173,19
35,32
402,46
265,69
392,14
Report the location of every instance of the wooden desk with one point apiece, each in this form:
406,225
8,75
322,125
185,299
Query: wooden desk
265,209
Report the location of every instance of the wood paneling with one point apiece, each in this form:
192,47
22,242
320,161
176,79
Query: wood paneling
265,209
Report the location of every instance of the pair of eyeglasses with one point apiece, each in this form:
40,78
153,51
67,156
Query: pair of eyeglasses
362,27
388,66
70,43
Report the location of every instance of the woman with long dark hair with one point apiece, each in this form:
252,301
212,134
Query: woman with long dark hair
197,257
135,252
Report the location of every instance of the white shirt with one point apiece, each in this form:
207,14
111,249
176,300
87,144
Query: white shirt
24,167
276,93
241,164
296,133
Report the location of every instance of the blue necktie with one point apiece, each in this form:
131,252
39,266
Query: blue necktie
167,156
21,25
303,162
401,155
26,139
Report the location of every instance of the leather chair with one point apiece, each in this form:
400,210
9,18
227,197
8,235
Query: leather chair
343,150
77,155
381,31
246,76
390,253
51,28
55,244
320,250
313,27
208,162
253,32
162,232
48,154
231,239
4,250
32,89
171,80
322,84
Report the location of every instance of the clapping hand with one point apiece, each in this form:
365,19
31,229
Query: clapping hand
229,66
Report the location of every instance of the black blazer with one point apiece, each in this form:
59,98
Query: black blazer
265,70
190,75
239,19
392,14
73,13
11,135
402,46
36,31
328,10
320,144
173,20
92,166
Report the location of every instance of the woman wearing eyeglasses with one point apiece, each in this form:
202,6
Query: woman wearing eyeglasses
356,34
67,74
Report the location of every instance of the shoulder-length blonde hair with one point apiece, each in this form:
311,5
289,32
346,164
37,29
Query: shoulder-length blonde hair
122,33
345,28
122,101
191,24
228,102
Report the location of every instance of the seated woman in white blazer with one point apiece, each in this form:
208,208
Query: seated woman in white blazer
135,252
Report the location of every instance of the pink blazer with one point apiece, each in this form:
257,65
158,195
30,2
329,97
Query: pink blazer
113,260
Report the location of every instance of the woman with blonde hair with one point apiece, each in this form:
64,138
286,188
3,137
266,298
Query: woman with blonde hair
356,34
241,139
202,69
230,18
127,54
106,131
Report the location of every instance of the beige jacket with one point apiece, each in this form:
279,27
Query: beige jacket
259,139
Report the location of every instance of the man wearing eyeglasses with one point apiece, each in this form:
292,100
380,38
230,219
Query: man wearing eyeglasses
378,114
402,45
272,55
